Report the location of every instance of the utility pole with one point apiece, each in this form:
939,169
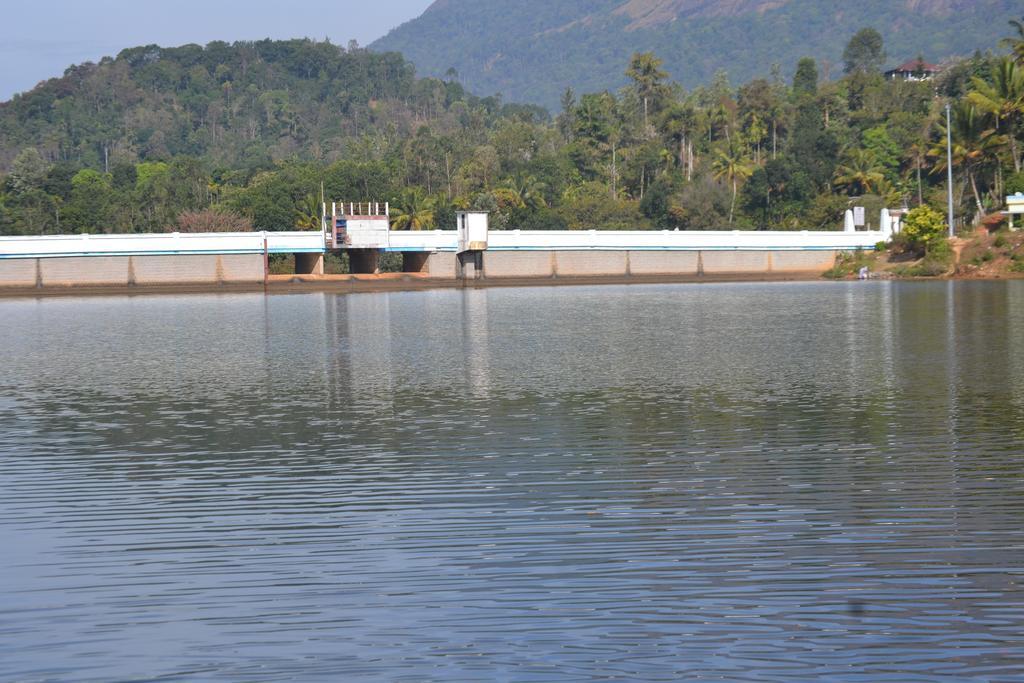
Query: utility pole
949,169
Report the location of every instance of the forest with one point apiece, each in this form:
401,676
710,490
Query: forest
253,135
530,50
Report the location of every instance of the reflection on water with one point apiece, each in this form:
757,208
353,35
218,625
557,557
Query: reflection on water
727,482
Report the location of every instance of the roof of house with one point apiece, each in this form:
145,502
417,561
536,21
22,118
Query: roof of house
915,66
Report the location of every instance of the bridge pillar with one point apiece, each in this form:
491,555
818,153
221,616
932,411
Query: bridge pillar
309,264
364,261
414,261
470,265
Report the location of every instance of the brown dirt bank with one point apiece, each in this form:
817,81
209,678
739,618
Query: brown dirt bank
389,282
979,256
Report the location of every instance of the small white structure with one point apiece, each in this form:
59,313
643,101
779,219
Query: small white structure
848,224
473,230
363,225
885,224
896,216
1014,207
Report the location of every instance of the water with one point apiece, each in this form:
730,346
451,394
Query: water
697,482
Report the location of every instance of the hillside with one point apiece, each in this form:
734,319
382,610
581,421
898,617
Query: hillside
241,105
226,137
530,50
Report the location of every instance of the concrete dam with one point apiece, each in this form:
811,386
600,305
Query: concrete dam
471,254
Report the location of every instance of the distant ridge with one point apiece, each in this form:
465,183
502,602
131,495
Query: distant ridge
530,50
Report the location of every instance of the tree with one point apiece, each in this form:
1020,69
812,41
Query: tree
28,171
923,227
805,81
528,190
778,191
865,53
91,203
307,214
813,147
212,220
973,143
567,119
884,149
860,172
413,211
648,79
1003,99
701,205
1016,44
732,164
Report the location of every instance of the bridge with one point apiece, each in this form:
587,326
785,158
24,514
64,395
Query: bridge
200,259
312,242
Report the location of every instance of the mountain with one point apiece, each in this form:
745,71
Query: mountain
242,105
531,50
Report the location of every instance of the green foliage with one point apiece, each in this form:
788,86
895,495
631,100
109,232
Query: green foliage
157,139
589,207
825,211
865,53
937,260
531,50
883,149
1015,183
805,81
924,228
413,211
849,263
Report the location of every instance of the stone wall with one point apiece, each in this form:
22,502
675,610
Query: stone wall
652,263
525,265
199,270
131,271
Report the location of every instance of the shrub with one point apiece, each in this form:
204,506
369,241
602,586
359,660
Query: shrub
212,220
848,263
937,260
923,227
1015,183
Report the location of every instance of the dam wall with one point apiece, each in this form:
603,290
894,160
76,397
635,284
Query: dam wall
429,258
186,270
210,271
643,264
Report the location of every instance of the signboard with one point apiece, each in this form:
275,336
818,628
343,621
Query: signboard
858,216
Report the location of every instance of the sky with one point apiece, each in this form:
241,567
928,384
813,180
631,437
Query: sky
39,39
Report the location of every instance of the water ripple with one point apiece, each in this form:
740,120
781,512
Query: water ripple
659,483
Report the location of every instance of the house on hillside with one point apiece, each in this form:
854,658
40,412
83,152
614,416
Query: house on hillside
914,70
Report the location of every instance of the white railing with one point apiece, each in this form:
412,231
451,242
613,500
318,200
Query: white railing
669,240
435,240
610,240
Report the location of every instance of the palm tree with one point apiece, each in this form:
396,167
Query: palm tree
414,211
1016,44
1003,99
678,122
307,215
732,164
860,173
645,70
528,189
974,143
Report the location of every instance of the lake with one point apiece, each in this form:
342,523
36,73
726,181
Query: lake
749,482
